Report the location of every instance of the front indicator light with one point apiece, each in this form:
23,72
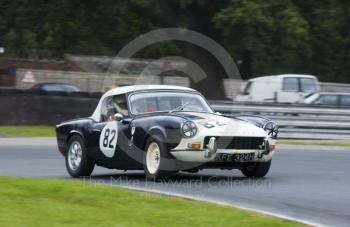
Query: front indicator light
194,146
272,147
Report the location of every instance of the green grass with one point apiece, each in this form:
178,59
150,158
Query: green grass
339,143
38,202
28,131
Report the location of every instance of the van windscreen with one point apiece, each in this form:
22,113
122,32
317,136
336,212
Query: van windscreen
308,85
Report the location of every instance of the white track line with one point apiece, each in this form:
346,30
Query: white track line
282,216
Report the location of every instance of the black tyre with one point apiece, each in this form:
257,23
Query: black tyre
157,161
78,164
258,169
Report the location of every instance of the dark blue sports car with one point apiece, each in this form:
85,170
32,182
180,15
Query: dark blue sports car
164,129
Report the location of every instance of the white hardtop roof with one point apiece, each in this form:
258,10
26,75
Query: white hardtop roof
127,89
282,76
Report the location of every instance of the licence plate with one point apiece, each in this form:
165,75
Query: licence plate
225,157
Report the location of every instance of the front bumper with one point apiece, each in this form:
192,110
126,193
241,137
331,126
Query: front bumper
210,154
201,155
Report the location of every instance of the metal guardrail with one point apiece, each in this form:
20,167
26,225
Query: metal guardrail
324,84
335,87
295,121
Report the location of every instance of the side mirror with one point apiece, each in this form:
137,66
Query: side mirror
218,113
118,117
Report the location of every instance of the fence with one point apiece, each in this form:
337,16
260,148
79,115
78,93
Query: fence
94,82
21,107
97,81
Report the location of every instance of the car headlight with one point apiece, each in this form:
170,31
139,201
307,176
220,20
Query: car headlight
271,128
188,129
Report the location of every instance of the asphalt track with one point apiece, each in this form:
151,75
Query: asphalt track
305,182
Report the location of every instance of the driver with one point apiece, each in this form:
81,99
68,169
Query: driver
117,105
120,106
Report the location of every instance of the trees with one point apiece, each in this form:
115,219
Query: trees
196,15
263,37
288,36
54,28
329,40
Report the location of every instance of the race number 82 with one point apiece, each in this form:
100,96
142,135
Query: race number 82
109,138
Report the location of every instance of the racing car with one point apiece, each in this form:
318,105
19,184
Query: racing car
162,130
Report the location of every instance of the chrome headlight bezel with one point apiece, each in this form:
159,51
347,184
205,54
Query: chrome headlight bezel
271,128
188,129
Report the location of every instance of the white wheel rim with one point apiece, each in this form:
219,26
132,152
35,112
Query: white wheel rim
74,155
153,158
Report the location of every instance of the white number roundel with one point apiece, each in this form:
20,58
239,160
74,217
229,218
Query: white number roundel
108,139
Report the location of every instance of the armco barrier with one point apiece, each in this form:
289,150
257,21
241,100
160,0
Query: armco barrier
295,121
20,107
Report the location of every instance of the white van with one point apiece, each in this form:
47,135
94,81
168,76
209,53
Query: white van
285,88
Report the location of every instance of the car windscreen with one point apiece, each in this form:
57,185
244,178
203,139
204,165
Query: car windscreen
147,102
60,87
345,100
327,99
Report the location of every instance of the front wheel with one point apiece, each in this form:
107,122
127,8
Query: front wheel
156,159
258,169
77,162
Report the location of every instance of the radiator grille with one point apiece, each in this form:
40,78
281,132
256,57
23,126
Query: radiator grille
239,143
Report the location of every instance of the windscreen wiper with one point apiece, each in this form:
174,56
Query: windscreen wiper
179,107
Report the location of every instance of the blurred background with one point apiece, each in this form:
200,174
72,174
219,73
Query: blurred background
55,55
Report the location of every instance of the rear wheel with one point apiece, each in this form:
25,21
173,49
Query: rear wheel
156,159
258,169
77,162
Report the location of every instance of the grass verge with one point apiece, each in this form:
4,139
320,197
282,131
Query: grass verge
38,202
28,131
